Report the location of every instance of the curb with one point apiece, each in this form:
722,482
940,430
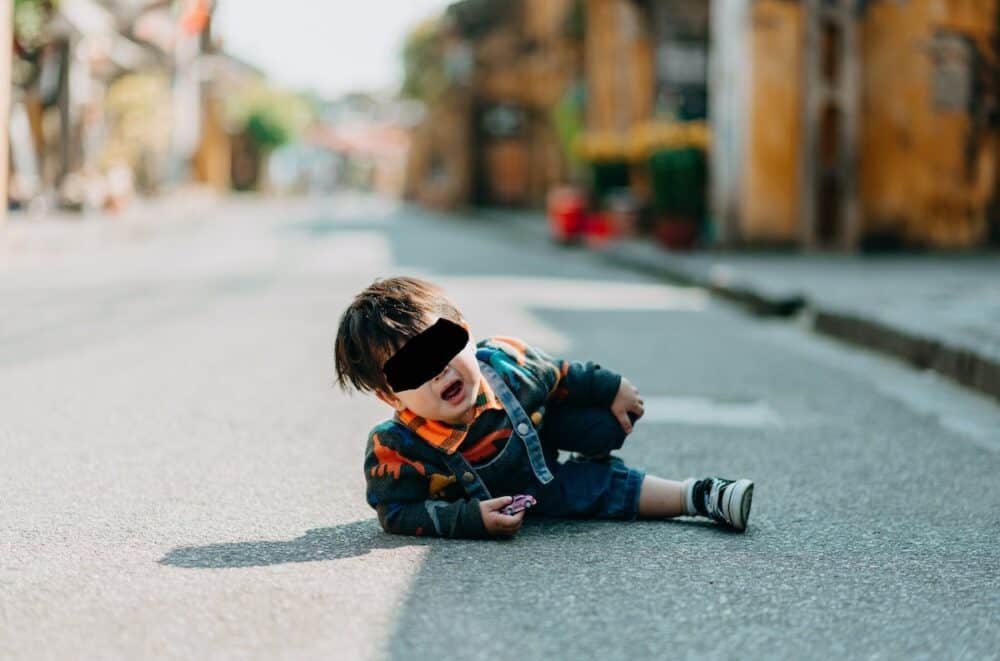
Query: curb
766,304
965,366
968,367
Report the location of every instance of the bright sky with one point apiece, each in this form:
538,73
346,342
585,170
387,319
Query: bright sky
331,46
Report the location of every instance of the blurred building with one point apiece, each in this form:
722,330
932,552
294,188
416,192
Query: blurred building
110,97
67,57
834,124
224,159
490,135
844,124
358,141
827,124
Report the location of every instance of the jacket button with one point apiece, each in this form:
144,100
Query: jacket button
522,428
468,477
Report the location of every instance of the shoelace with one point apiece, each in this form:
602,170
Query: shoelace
712,500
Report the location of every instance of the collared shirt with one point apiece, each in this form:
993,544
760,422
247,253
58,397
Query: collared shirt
409,484
445,436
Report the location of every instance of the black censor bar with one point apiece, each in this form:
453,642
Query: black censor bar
424,356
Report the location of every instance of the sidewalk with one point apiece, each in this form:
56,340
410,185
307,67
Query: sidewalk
936,312
27,240
57,238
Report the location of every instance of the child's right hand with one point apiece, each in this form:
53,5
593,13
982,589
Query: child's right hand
498,524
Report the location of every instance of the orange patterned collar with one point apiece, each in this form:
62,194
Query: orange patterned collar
446,436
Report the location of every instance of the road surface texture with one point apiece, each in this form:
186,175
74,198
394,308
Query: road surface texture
181,480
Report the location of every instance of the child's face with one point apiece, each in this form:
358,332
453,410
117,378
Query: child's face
449,396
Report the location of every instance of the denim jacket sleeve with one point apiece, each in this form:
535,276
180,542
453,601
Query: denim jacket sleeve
434,518
579,383
586,384
398,490
571,382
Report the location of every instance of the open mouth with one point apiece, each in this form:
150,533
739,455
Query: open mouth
453,393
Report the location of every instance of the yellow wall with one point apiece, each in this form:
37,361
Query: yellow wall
442,138
212,159
771,174
917,178
543,21
618,66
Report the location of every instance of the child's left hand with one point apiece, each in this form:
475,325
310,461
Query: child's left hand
627,401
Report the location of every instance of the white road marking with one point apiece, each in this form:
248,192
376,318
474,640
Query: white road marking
709,412
576,294
494,305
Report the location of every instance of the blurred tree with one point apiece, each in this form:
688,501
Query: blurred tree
30,20
575,24
424,75
568,119
270,117
30,17
262,118
139,113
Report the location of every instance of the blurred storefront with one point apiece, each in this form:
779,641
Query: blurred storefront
116,97
930,122
869,125
490,135
646,118
822,124
834,125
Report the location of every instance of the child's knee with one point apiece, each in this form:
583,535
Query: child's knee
604,433
589,431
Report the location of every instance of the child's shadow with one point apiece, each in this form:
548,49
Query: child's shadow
343,541
360,537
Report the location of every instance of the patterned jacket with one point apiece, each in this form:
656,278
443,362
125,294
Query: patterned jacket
408,483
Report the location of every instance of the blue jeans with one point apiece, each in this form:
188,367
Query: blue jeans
603,488
594,488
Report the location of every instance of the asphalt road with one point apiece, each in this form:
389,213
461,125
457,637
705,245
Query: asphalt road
180,479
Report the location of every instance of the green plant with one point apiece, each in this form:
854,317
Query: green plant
568,119
423,62
30,17
575,23
271,117
679,178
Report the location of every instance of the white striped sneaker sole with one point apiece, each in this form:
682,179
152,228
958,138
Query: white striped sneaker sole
738,497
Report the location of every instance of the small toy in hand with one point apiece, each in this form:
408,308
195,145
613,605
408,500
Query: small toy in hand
520,503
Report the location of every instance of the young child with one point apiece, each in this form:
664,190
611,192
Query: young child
478,423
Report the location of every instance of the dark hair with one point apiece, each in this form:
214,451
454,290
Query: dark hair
378,322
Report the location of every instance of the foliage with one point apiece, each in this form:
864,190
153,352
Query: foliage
642,140
575,23
270,116
679,177
30,17
568,119
424,76
138,109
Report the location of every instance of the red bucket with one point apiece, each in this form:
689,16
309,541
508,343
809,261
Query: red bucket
598,229
567,210
676,233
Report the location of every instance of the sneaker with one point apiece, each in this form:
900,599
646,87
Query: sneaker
725,501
